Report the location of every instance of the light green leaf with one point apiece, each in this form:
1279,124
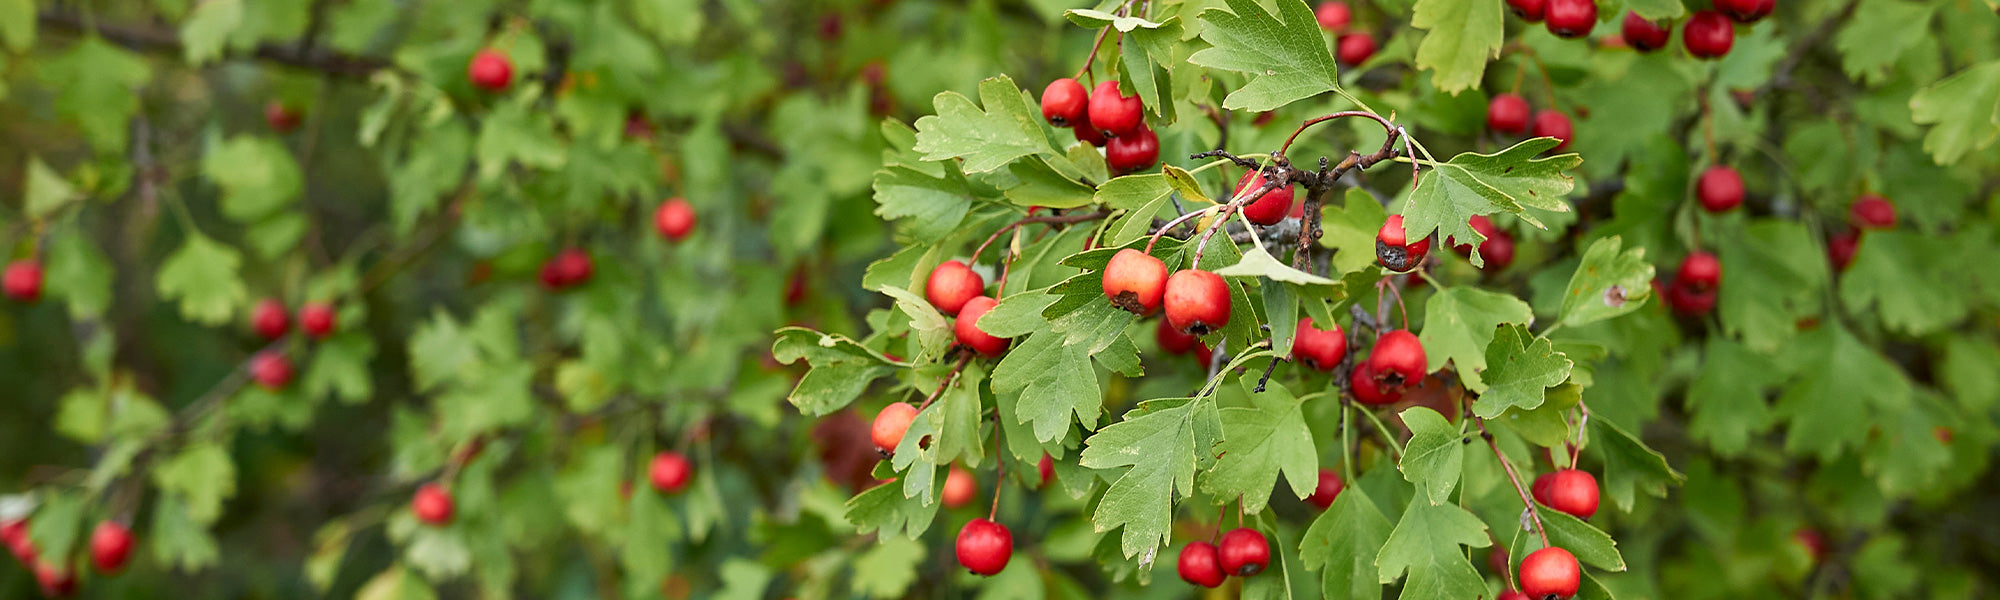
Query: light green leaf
1049,381
1471,184
79,273
47,191
1460,36
987,139
1878,34
202,277
1727,398
1435,456
1258,443
1427,544
257,175
1284,54
1157,443
1963,111
1590,545
1258,263
1350,230
179,540
887,569
1840,389
1608,283
17,25
1344,541
203,475
99,86
1458,326
207,31
1630,465
1519,368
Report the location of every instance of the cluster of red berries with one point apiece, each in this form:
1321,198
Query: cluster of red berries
1244,552
1509,113
1869,212
272,369
960,292
1693,289
110,549
1105,118
1350,47
433,505
1709,33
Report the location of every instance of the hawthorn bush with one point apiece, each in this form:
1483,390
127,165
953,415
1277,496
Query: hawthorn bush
1438,299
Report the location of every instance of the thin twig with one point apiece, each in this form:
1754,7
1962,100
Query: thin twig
1053,219
1534,514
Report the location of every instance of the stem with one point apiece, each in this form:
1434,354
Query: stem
1387,126
948,378
1052,219
999,470
1169,227
1534,514
1346,438
1384,430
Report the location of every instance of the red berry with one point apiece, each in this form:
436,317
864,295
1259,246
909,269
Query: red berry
1746,11
1643,34
1355,48
969,333
1719,189
1689,301
490,70
1814,543
1841,247
1334,17
1197,302
1398,359
671,471
1114,113
1047,469
1173,341
269,319
23,280
110,546
1872,212
1318,348
1513,595
1574,492
271,369
1394,251
1369,390
890,424
317,319
1571,18
1498,248
1245,552
1540,488
1529,10
1553,123
1135,281
951,285
1132,151
570,267
14,534
1708,35
984,547
959,487
432,504
1328,489
56,582
1269,208
1700,271
1507,113
1201,564
1090,135
281,118
1064,103
674,219
1496,561
1550,572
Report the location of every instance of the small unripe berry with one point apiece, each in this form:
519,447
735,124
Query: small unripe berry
890,425
951,285
1644,34
1135,281
1112,112
1550,572
432,505
1507,113
1571,18
1319,349
984,547
269,319
1719,189
969,333
1064,103
1394,251
1269,208
674,219
1553,123
1245,552
490,70
671,471
1708,35
1197,302
1200,564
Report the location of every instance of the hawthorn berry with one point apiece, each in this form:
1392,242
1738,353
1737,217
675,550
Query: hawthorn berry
1398,359
1174,341
1317,348
1872,212
1201,564
1540,488
1497,249
432,505
22,281
1746,11
1355,48
1244,552
984,547
1553,123
1064,103
890,424
568,268
670,471
1114,113
674,219
1708,35
1529,10
959,487
1197,302
490,70
1369,390
1699,271
1090,135
1328,489
1046,468
1507,113
1570,18
317,319
1550,573
1644,34
1689,301
1132,151
1512,595
951,285
269,319
969,333
14,534
1496,560
271,370
1135,281
110,546
1395,251
1269,208
56,582
279,117
1840,248
1574,492
1719,189
1334,17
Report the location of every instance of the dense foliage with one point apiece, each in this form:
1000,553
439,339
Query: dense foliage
1434,299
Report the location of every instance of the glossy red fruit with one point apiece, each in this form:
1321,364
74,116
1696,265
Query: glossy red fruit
1841,246
1553,123
674,219
280,118
959,487
1745,11
22,281
1550,573
1394,251
269,319
490,70
56,582
1507,113
1135,281
1197,302
317,319
1269,208
1244,552
1529,10
1398,359
1719,189
890,424
1708,34
1064,103
271,370
951,285
1320,349
1355,48
971,336
1090,135
984,547
1369,390
1644,34
1047,469
1114,113
1173,341
1540,488
1334,17
1699,271
432,505
1872,212
1201,564
110,546
1571,18
1513,595
1132,151
671,471
1328,489
1574,492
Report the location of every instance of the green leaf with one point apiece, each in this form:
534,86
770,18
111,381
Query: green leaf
203,475
99,86
1158,446
1963,111
842,369
956,416
1048,382
516,132
1460,36
205,32
1629,465
887,569
396,583
1878,34
1519,368
17,24
47,191
934,204
1609,283
1344,541
1899,277
1840,392
1590,545
257,175
1435,456
57,526
1775,276
1038,184
440,553
673,22
1472,184
1727,398
202,277
1258,443
1427,544
1657,9
1350,230
1259,263
1546,425
339,369
79,273
179,540
883,508
434,166
987,139
1284,54
1458,326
